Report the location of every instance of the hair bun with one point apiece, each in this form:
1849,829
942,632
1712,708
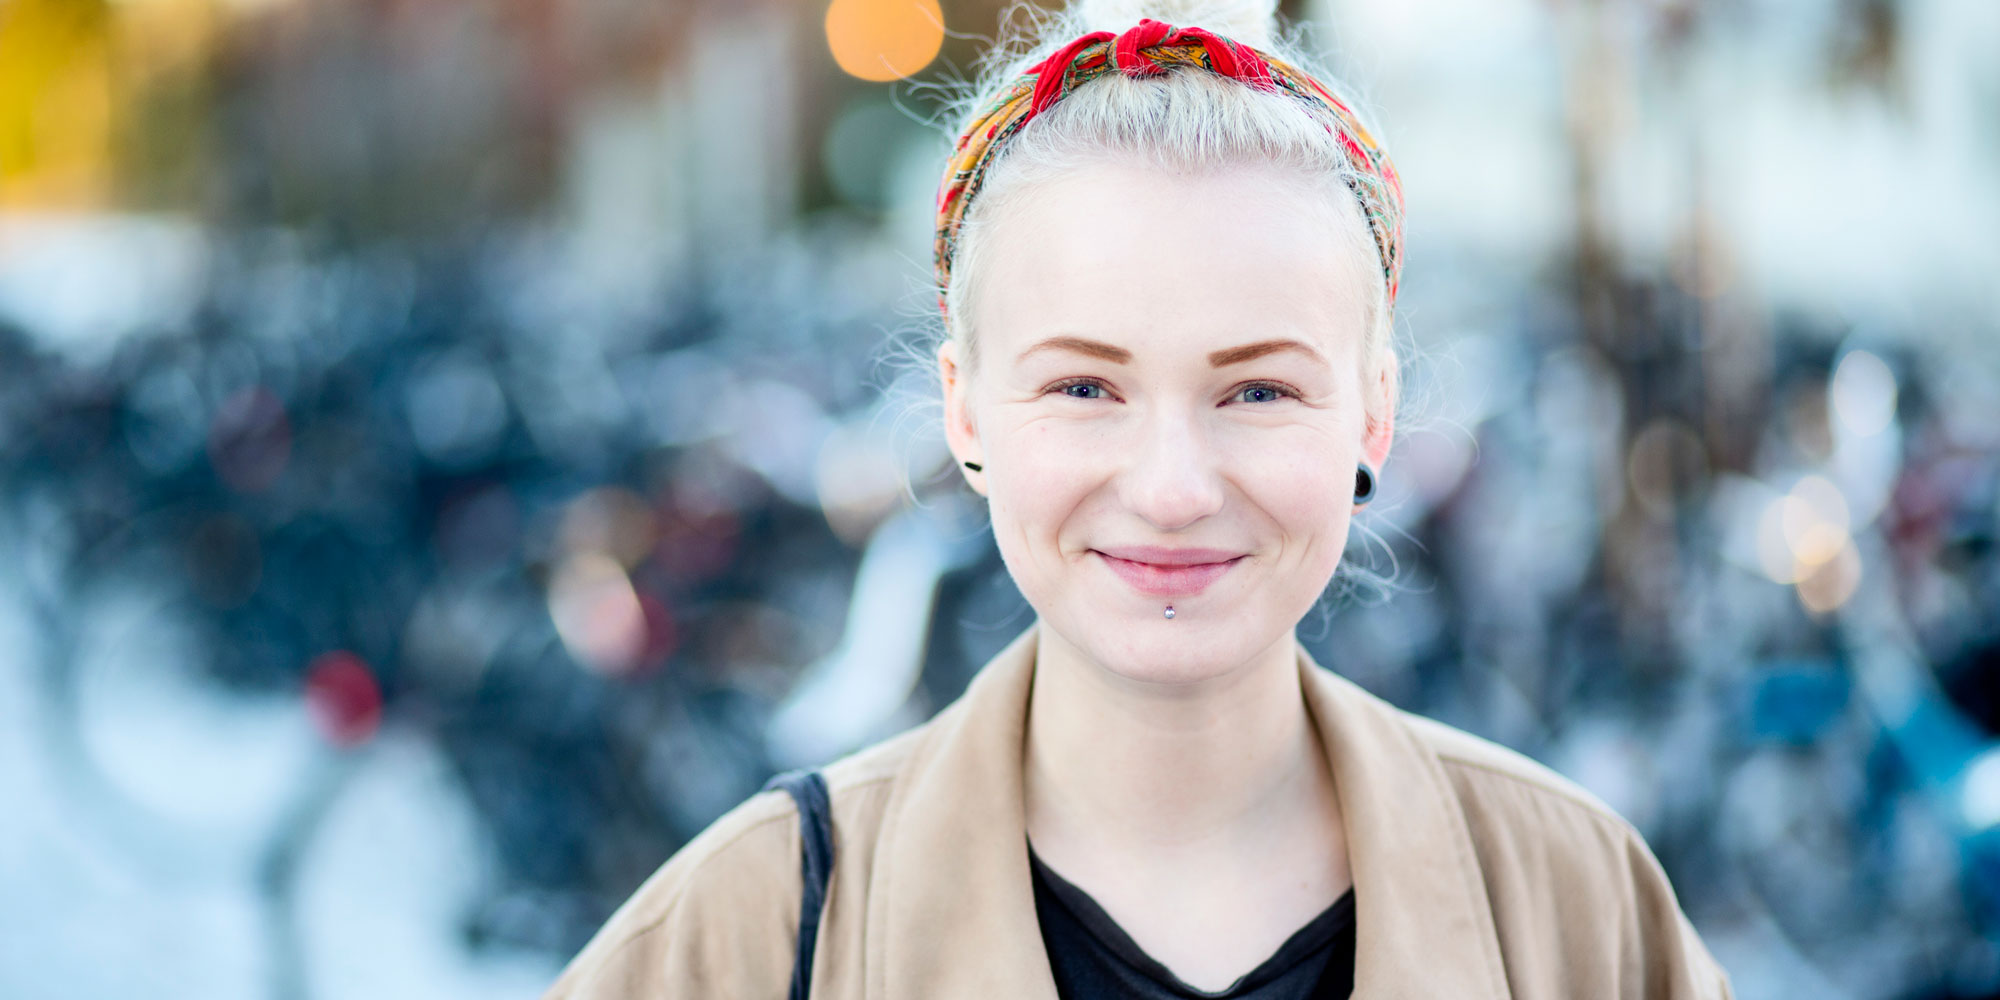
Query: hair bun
1252,22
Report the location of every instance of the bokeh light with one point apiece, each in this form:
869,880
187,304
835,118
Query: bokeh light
1980,792
882,40
1826,585
598,614
344,698
860,482
609,521
1863,394
1805,538
1815,520
1667,462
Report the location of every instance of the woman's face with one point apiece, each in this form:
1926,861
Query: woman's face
1169,402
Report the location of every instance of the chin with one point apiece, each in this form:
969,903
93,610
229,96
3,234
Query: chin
1192,648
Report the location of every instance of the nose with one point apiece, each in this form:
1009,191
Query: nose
1172,473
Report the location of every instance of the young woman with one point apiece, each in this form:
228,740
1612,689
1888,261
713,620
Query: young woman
1168,260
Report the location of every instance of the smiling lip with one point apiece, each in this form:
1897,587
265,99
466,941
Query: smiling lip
1163,572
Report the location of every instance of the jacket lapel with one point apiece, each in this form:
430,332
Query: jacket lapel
1423,923
951,910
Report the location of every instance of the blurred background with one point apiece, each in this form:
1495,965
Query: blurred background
450,452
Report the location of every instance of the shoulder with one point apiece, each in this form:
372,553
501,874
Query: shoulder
722,913
1561,865
1531,826
1501,777
1523,812
721,906
854,774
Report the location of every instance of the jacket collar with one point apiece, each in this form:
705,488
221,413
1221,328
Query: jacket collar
952,913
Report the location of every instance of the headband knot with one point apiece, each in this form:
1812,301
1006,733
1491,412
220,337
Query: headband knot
1151,48
1128,54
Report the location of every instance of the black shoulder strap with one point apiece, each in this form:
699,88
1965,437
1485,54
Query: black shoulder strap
808,789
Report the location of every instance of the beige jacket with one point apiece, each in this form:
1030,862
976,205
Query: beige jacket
1479,874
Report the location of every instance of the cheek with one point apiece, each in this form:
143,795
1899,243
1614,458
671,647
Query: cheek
1305,484
1048,475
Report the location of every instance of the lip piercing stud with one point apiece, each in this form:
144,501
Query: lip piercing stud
1170,612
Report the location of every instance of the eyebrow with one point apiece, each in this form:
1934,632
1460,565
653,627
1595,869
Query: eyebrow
1095,348
1247,352
1218,359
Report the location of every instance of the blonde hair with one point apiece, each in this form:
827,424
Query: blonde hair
1187,122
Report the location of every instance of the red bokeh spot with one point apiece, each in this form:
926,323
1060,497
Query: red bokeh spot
343,698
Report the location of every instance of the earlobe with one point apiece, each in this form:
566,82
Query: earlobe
960,432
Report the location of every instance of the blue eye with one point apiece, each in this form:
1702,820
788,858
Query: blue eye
1262,392
1081,390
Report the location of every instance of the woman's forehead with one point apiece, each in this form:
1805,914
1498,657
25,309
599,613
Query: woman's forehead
1136,256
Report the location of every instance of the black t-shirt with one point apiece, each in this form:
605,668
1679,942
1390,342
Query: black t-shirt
1094,959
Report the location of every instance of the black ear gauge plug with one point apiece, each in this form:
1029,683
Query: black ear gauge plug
976,467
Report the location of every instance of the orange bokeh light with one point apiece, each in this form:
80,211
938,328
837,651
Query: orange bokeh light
884,40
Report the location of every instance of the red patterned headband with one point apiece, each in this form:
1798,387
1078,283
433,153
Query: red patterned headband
1148,50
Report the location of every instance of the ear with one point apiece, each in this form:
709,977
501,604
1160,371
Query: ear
1380,425
961,434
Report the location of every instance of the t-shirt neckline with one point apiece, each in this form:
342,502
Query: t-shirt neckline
1308,939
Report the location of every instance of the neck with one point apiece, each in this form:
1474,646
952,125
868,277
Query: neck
1170,771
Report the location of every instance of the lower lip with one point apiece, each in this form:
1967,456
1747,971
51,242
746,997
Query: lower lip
1168,581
